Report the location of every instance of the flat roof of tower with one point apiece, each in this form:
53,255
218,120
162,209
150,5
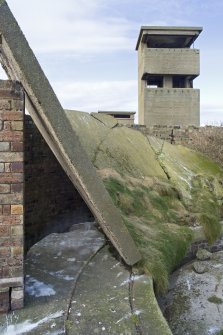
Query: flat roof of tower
117,112
168,36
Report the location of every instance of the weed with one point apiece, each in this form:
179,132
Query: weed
135,319
206,203
215,300
151,221
211,226
157,214
69,324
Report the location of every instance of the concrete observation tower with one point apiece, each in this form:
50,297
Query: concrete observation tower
167,66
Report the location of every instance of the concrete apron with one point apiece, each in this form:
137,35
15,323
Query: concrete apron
75,286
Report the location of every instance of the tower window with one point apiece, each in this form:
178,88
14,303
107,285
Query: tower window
178,82
154,82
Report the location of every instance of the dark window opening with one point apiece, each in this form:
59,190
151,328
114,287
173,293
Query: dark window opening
154,82
121,116
168,41
182,82
178,82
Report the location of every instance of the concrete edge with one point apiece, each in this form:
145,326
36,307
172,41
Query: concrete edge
150,318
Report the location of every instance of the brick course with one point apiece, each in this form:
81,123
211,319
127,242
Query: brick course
11,195
48,203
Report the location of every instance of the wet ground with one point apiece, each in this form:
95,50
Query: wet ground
52,268
75,285
194,304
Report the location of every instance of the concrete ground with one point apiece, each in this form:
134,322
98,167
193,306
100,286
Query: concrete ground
194,303
76,286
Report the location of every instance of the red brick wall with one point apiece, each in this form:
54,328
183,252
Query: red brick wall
11,195
48,203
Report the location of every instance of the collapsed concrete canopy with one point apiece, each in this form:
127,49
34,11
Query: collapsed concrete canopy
21,64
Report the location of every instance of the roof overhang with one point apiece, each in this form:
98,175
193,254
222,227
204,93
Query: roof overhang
173,37
117,112
147,75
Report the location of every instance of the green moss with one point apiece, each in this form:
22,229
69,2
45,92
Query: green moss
162,247
206,164
205,202
128,201
69,324
135,319
215,300
157,219
211,226
160,189
178,306
143,201
151,220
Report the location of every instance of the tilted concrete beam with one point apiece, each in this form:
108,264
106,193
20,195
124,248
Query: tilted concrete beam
21,64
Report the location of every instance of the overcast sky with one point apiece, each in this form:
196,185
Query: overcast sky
87,48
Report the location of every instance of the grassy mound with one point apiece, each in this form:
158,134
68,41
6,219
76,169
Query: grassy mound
152,221
161,190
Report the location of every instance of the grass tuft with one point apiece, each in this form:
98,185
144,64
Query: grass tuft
211,226
152,222
158,219
215,300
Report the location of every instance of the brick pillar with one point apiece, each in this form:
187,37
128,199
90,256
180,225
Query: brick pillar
11,195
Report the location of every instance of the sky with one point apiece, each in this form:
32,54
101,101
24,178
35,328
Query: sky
87,48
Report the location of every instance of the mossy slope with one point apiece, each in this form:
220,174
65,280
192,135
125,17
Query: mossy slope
119,148
199,180
161,190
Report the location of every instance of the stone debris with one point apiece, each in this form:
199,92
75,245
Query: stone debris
200,267
203,255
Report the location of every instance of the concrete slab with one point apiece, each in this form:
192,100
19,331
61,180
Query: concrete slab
109,299
52,267
21,64
150,318
107,120
101,301
115,148
194,303
75,286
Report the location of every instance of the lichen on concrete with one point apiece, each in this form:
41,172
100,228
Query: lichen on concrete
194,302
100,303
116,148
161,190
151,320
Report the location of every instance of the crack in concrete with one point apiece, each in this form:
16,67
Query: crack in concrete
73,289
157,154
132,305
102,141
97,150
116,125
